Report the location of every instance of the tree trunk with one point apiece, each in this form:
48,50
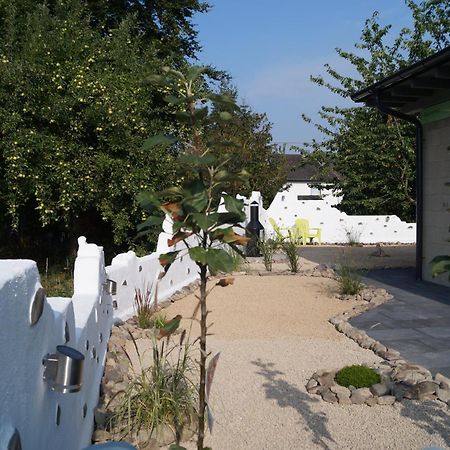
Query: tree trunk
202,393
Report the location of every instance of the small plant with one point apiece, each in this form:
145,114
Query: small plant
161,395
158,320
349,281
267,249
290,247
144,307
238,260
353,236
357,376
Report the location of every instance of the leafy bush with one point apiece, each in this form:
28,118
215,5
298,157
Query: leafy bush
267,249
357,376
160,395
349,282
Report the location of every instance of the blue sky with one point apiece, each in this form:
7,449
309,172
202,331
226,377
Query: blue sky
271,47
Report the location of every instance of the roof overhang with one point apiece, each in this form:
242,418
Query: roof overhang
413,89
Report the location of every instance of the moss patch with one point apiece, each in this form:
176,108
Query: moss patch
357,376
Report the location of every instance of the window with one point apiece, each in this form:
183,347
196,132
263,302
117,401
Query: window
316,192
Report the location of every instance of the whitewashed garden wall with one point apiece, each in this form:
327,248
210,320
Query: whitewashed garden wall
337,227
49,420
131,272
45,419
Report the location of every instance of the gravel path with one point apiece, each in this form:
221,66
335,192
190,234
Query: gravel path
273,333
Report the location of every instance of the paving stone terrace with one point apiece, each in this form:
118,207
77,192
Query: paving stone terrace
416,322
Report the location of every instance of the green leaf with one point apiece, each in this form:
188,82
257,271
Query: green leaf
156,80
177,447
219,260
172,100
194,72
148,200
205,160
205,221
166,259
225,115
219,233
235,206
151,222
197,197
230,218
172,192
440,264
198,254
184,117
224,100
216,259
160,139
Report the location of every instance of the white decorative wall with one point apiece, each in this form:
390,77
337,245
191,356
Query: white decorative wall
336,226
131,272
45,419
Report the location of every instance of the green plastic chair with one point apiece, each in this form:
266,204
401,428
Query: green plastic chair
277,229
304,230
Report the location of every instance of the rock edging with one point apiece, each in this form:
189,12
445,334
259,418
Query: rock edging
400,378
406,381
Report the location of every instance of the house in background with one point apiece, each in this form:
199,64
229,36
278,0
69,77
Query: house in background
420,94
301,181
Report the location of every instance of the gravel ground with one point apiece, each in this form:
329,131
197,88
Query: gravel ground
273,333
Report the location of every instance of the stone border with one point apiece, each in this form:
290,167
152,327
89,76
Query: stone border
397,383
399,378
323,383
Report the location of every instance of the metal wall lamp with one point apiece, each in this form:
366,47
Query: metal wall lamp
63,370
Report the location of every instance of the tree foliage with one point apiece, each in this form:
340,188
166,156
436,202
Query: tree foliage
74,113
247,137
374,155
167,24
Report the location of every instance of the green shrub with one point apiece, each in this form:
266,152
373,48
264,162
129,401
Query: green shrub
267,249
357,376
349,281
